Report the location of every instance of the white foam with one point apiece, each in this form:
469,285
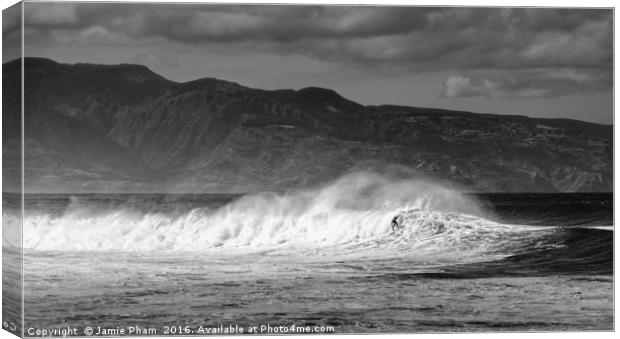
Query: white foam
603,228
351,215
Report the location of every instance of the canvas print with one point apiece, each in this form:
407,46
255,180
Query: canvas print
198,169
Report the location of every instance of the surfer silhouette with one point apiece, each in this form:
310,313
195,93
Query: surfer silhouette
396,223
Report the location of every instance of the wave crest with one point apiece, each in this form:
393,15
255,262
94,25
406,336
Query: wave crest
350,215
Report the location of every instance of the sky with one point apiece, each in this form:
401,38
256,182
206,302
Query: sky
542,62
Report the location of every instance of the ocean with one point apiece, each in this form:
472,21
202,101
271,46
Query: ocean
324,260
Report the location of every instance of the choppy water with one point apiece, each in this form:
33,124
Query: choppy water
325,257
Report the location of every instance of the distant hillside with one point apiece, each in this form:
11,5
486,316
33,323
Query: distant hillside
99,128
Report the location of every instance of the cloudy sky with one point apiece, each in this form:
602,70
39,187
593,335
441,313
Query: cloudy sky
538,62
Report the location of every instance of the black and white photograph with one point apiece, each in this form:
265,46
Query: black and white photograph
197,169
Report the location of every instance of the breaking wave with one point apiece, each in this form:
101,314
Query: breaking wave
351,216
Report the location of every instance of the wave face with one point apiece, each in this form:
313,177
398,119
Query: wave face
349,217
557,209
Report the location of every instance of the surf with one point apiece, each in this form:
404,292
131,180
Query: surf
348,217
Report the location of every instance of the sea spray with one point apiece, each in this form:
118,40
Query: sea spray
346,217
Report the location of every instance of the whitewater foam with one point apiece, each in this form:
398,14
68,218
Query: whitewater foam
349,216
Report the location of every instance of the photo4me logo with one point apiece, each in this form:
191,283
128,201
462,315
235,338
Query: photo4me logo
294,329
9,326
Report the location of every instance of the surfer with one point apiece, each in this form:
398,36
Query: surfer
396,223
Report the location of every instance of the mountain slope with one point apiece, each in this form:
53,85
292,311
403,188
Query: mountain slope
151,134
68,110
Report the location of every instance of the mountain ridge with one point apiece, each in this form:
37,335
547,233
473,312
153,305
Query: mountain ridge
211,135
437,110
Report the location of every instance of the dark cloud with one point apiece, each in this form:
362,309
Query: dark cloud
533,43
11,33
499,38
51,14
11,23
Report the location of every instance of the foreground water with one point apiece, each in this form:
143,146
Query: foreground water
323,260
